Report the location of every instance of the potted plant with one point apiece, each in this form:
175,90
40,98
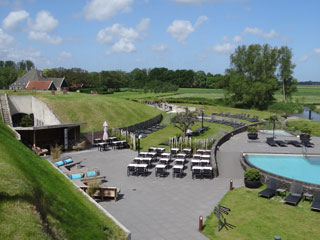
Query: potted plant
252,178
252,132
305,134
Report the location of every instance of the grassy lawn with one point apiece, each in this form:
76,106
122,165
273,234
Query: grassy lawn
298,124
260,218
29,185
217,109
154,139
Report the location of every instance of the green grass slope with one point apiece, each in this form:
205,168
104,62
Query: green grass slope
95,109
37,202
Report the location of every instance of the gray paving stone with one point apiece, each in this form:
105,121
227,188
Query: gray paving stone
161,208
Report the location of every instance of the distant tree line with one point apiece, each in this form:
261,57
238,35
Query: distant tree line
309,83
153,80
10,71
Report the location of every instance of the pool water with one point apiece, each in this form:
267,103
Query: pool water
298,167
277,133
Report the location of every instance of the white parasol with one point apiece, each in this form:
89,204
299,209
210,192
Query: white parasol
105,131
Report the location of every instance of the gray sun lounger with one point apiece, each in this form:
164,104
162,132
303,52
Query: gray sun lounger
295,194
316,202
270,191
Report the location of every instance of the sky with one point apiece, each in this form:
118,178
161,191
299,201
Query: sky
100,35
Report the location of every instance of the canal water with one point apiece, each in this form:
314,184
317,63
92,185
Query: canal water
305,114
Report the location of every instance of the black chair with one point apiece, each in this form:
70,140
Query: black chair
316,202
270,191
295,194
196,173
207,173
271,142
131,170
281,143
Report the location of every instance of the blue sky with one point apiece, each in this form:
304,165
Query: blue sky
178,34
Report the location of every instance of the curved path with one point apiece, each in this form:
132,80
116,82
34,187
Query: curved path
156,208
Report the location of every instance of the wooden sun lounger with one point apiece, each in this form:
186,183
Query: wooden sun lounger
89,180
104,192
70,165
82,170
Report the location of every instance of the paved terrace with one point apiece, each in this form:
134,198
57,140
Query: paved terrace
231,151
156,208
169,208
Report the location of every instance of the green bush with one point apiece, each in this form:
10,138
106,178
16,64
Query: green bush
252,129
286,108
26,121
252,174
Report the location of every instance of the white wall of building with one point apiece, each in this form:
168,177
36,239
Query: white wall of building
43,116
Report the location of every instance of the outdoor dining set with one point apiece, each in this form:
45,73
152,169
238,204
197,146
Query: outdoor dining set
111,142
177,159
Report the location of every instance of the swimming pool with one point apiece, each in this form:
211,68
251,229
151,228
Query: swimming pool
277,133
297,167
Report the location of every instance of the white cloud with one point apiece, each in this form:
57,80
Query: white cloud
181,29
123,45
143,25
105,9
14,19
317,50
225,39
200,20
64,55
40,28
16,54
253,31
237,39
5,39
121,38
160,48
259,32
44,37
303,58
271,34
222,48
44,22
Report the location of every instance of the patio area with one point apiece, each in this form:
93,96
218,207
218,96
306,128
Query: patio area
155,207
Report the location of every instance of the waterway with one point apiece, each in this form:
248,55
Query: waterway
305,114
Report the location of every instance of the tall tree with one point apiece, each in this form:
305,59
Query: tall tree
252,76
29,65
286,80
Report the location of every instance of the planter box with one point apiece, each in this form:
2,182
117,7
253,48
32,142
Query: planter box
252,184
253,136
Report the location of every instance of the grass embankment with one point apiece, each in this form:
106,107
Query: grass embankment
154,139
260,218
95,109
37,202
300,124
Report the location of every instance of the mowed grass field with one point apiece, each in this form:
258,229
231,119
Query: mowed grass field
305,95
259,218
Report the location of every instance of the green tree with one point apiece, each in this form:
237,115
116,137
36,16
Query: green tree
183,121
252,76
7,76
286,80
29,65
